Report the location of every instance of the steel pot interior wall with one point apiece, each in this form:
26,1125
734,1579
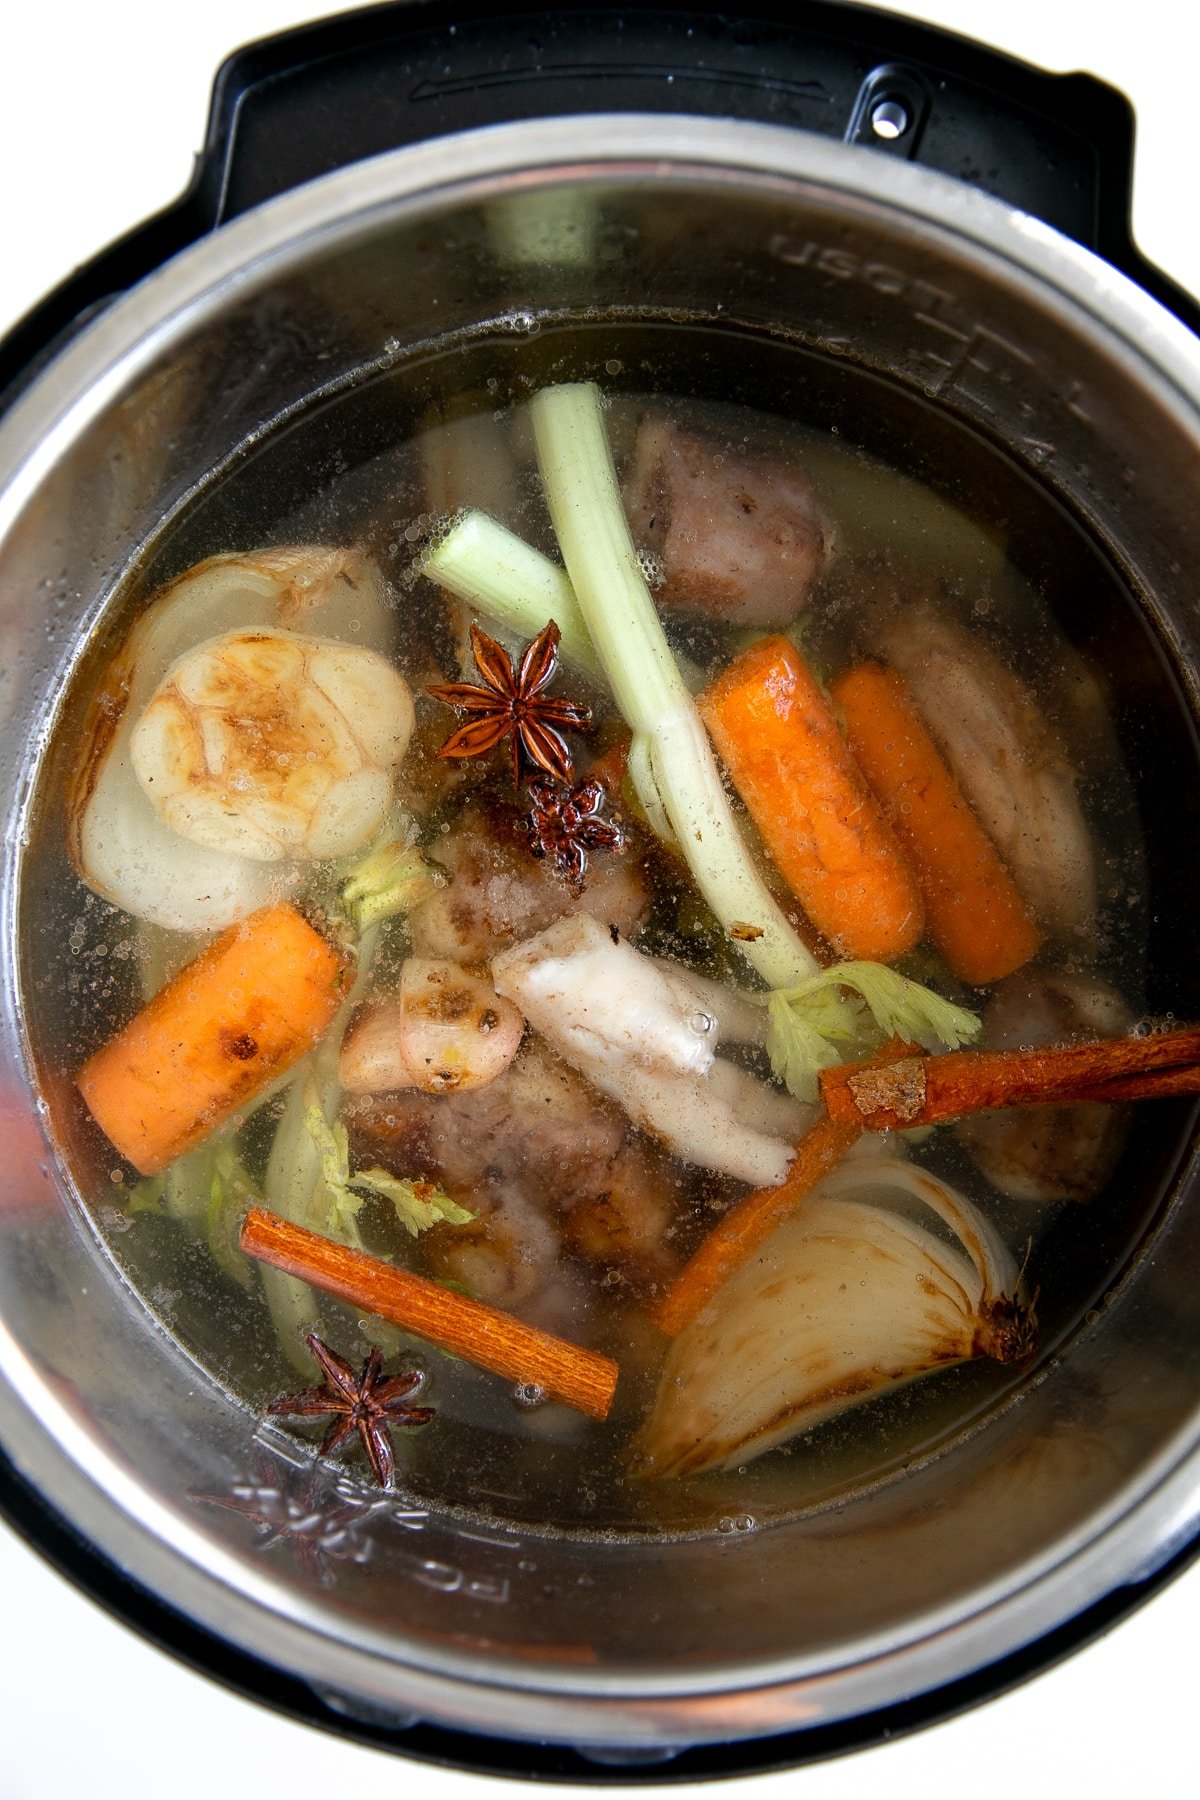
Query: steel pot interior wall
907,293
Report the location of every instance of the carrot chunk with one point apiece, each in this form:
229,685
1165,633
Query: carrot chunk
244,1011
777,736
976,917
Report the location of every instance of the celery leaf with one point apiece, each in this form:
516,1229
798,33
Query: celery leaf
850,1009
418,1204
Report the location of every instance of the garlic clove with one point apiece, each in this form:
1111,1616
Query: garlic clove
380,712
241,748
354,811
445,1031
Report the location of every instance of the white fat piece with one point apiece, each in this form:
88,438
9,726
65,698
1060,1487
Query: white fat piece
739,1016
699,1118
615,1016
610,1005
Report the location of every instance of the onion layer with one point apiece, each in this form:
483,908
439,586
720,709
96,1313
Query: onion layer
850,1297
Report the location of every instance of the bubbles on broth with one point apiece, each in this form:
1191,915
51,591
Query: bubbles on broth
915,506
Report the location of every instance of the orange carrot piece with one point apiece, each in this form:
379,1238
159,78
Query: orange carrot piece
778,738
749,1223
244,1011
927,1090
975,915
468,1328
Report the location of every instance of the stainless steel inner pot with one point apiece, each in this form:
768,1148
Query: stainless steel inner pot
632,1644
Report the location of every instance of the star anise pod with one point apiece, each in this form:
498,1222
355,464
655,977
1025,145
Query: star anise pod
565,824
360,1403
512,704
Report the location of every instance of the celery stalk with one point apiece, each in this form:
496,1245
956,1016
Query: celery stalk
480,561
679,776
675,773
294,1185
483,563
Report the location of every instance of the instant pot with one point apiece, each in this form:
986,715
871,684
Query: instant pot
934,220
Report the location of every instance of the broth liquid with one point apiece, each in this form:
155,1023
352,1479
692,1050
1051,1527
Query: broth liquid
375,468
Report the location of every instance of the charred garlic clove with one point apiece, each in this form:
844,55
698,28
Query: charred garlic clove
851,1296
445,1031
273,745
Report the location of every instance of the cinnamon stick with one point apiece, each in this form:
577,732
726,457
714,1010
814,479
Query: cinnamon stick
478,1333
749,1223
1157,1084
928,1090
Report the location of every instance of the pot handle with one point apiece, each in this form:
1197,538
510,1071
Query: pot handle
1059,146
296,106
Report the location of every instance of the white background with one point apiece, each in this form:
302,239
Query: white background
102,104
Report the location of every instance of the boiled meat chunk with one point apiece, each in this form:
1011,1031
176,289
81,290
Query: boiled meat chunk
498,894
538,1131
739,533
1049,1153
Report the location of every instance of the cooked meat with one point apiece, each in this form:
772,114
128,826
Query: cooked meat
739,533
1005,758
1048,1153
499,893
538,1130
537,1123
624,1226
506,1256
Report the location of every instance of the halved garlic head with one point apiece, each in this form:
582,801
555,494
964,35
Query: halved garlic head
117,839
272,745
